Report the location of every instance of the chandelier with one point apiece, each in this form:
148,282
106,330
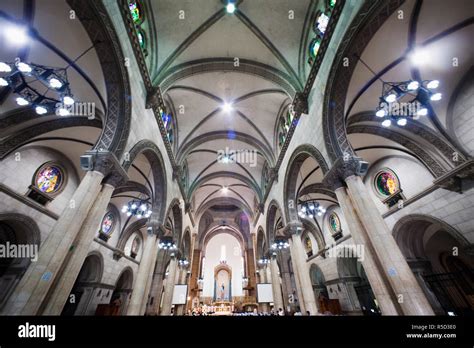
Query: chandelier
280,244
263,261
138,208
311,208
167,243
407,99
44,88
183,262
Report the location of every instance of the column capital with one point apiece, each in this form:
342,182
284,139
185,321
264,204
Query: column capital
108,164
293,227
342,169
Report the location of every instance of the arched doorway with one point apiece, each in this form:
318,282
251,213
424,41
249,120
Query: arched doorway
82,292
353,278
22,234
437,255
121,295
318,281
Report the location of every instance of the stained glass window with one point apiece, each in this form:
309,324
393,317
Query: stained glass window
135,11
141,39
135,245
332,3
335,223
107,223
308,246
322,23
386,183
49,179
314,48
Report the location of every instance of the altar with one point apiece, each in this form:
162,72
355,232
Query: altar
223,308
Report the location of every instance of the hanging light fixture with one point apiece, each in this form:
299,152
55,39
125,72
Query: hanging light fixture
408,99
167,243
280,244
310,208
183,262
263,261
137,207
27,79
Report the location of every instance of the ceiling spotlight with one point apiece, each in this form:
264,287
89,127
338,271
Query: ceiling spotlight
419,56
230,8
390,98
436,96
3,82
23,67
16,34
413,85
67,100
4,67
41,110
433,84
21,101
63,112
386,123
55,83
224,189
422,112
380,113
402,121
227,107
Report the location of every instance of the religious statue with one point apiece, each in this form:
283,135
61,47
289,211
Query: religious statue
222,291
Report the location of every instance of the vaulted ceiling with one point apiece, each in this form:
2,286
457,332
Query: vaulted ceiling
252,59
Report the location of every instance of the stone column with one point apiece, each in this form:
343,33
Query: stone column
193,279
296,274
81,246
33,287
303,274
277,296
169,287
139,288
252,283
156,287
377,279
150,275
411,297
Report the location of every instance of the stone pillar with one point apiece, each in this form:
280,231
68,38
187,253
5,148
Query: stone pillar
151,270
277,296
139,288
81,246
296,274
377,279
169,287
193,279
412,299
156,287
252,283
298,255
33,287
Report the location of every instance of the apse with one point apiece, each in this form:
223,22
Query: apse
223,247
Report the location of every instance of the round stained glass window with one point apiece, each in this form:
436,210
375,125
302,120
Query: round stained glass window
49,178
386,183
335,223
107,223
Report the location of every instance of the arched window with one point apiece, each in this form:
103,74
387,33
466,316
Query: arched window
168,123
138,18
284,124
321,21
265,176
308,245
107,226
135,247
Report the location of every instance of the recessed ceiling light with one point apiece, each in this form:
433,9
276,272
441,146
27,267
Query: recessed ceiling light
227,107
230,8
16,34
419,56
224,189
